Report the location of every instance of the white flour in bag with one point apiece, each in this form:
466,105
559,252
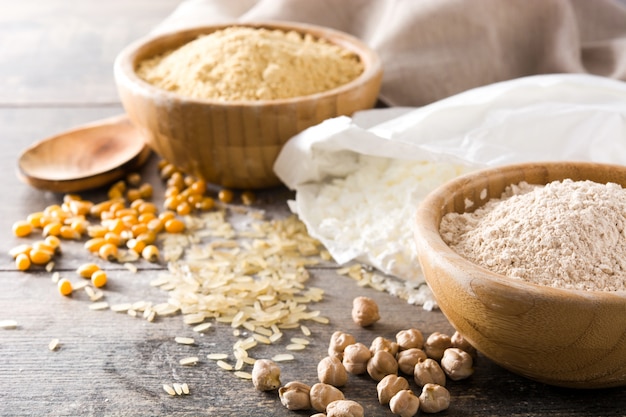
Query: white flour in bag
569,234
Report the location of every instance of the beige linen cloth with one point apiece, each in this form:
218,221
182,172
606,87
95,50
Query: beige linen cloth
433,49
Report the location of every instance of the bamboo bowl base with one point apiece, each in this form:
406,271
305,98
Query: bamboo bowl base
560,337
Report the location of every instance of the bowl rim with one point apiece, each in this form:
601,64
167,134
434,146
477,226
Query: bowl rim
426,232
124,64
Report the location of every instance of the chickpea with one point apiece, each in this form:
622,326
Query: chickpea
434,398
365,311
407,359
382,364
265,375
405,403
330,371
338,342
436,344
294,395
380,343
457,364
428,371
355,358
323,394
344,408
390,386
458,341
410,338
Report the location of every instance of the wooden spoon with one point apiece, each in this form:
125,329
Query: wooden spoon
86,157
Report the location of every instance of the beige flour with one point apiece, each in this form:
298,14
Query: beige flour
569,234
242,63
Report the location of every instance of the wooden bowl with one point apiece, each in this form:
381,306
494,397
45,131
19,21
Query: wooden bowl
561,337
234,144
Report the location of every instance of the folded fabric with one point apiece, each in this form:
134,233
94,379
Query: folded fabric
432,49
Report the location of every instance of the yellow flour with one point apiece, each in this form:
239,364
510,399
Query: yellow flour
241,63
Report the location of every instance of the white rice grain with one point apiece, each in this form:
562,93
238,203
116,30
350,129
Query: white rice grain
189,361
167,388
53,345
8,324
217,356
184,340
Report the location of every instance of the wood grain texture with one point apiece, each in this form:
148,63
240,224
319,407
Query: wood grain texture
111,364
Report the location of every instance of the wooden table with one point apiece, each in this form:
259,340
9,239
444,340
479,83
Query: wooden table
55,73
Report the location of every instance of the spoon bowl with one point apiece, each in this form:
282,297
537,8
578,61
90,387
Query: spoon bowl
86,157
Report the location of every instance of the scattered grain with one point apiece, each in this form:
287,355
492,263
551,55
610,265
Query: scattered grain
121,308
184,340
224,365
8,324
178,388
283,357
53,345
295,346
189,361
103,305
200,328
217,356
167,388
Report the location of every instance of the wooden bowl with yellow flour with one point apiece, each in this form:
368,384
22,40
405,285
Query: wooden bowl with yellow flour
219,102
564,328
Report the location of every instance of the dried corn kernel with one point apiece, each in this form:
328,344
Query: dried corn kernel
94,245
22,228
198,187
79,225
174,226
206,204
53,228
133,179
156,225
150,253
108,251
136,245
66,232
147,208
65,287
148,237
22,262
54,242
183,208
99,279
226,196
44,246
40,256
113,238
87,270
133,194
248,198
145,190
166,215
35,218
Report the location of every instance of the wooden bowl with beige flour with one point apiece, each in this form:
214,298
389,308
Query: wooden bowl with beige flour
555,310
219,102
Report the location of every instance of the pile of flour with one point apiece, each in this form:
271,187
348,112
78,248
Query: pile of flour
244,63
569,234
